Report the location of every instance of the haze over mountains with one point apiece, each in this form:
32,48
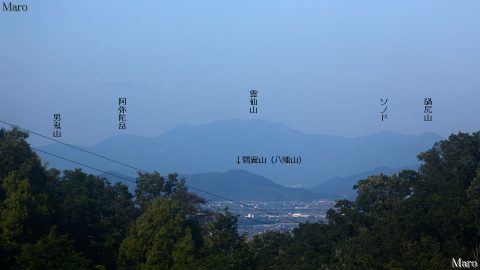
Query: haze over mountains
342,187
242,185
214,147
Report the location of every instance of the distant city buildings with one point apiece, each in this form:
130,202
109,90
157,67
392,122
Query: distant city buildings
252,221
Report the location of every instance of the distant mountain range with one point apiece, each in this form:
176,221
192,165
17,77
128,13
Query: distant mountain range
234,184
342,187
241,185
215,147
245,186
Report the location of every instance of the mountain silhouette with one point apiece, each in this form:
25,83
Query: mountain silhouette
218,145
342,187
237,185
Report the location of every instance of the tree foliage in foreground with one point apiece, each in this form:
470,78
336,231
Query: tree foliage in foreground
73,220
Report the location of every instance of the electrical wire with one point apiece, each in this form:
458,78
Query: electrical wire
131,167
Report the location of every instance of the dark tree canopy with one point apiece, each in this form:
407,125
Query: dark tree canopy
74,220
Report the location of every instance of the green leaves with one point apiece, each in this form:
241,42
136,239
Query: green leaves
74,220
15,212
95,214
154,238
51,252
224,248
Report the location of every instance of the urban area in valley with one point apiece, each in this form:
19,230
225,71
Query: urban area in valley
256,217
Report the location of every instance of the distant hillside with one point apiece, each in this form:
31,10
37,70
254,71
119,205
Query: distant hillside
235,184
215,147
245,186
342,187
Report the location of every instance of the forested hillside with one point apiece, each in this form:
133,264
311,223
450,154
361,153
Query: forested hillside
73,220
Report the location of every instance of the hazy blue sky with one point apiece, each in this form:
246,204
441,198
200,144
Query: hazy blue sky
319,66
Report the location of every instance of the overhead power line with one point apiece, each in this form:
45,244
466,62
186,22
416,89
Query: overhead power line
121,177
131,167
